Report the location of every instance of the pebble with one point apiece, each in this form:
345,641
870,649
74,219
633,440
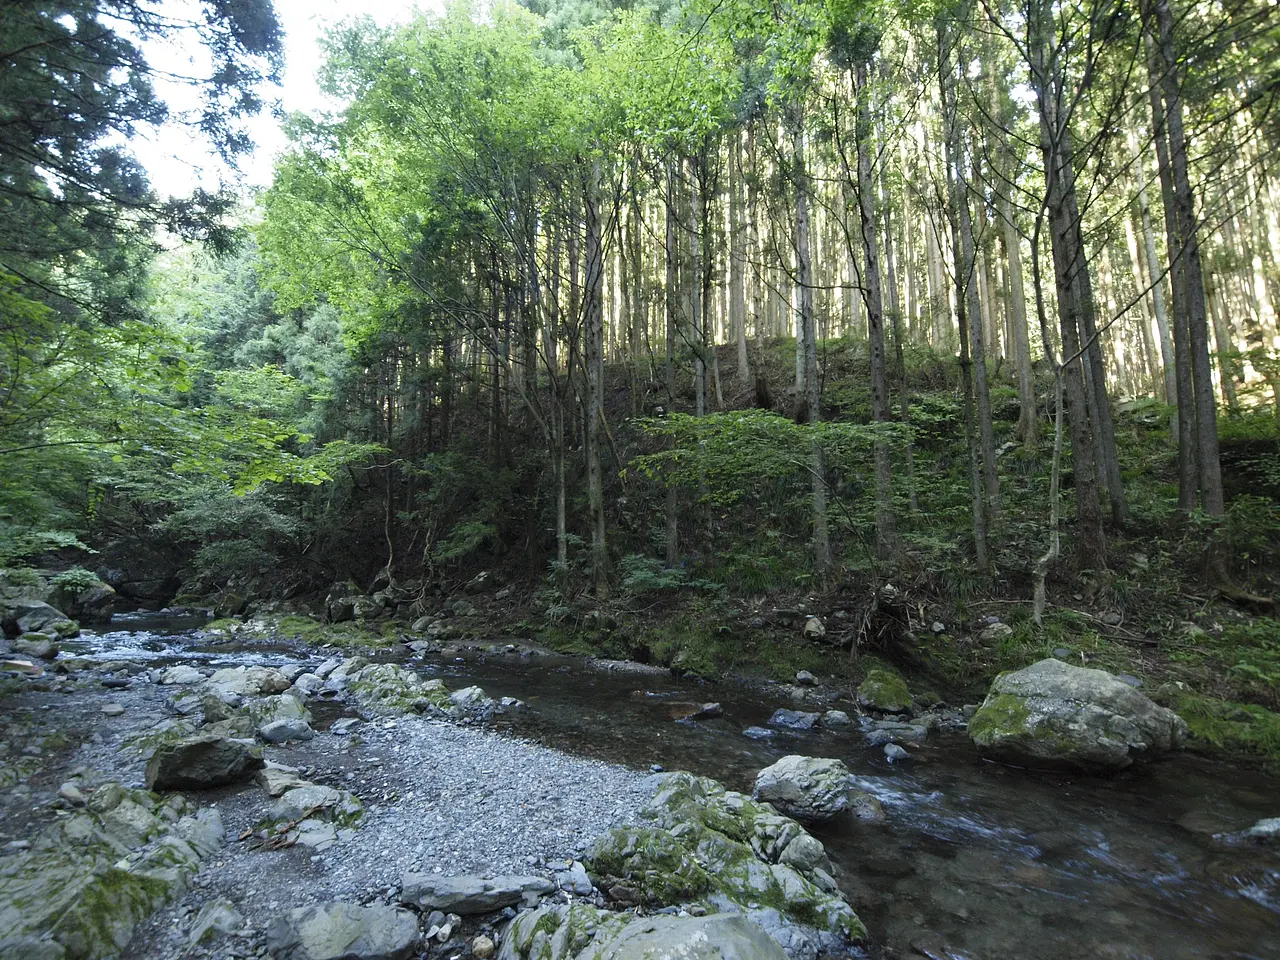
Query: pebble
112,710
482,947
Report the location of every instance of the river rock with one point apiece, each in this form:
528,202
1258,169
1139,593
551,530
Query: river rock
881,732
38,645
268,710
1265,831
181,675
794,719
574,880
482,947
473,702
93,602
555,933
343,931
806,679
1057,715
281,731
807,788
85,882
21,666
758,733
314,800
36,616
835,720
703,844
390,689
276,779
307,684
233,683
814,629
885,692
216,916
468,894
201,763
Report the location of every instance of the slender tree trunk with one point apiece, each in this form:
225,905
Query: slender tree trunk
1188,470
737,240
1159,310
896,317
594,348
886,537
1028,418
808,335
963,277
1068,260
1187,249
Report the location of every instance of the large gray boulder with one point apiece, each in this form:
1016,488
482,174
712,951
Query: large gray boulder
718,848
581,932
88,879
230,684
465,895
201,763
343,931
36,616
1052,714
807,788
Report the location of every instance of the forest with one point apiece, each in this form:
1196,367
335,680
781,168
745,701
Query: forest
719,308
666,479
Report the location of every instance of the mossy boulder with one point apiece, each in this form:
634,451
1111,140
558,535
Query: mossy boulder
1052,714
390,689
88,880
730,853
885,692
581,932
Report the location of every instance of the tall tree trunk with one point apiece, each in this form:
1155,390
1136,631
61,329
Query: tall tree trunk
1188,471
809,349
896,318
886,538
697,289
1185,246
594,356
672,505
737,241
1068,261
1159,310
963,277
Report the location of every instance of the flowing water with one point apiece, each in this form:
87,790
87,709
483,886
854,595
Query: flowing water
974,860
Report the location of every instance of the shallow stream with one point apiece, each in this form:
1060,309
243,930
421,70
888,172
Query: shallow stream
975,861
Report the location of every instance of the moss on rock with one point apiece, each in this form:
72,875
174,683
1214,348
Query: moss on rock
387,688
89,880
729,853
884,691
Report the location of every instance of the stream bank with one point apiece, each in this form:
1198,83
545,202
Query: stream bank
970,859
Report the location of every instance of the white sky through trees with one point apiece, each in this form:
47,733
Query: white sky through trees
176,158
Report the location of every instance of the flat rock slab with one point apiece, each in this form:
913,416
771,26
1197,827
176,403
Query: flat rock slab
549,934
201,763
794,719
343,931
466,895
